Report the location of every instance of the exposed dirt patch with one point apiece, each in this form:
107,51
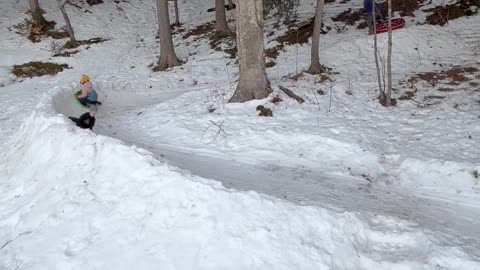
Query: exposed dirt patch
404,7
446,89
94,2
270,64
298,33
177,29
454,76
427,98
200,31
407,95
383,101
37,69
276,99
462,8
66,53
91,41
437,85
232,52
351,17
273,52
224,42
36,33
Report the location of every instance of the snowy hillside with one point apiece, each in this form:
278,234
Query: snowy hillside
174,177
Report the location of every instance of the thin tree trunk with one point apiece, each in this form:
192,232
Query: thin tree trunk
61,5
220,17
389,57
168,58
375,51
253,82
177,17
37,15
315,67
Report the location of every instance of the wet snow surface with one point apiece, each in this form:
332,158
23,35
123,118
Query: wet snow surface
338,182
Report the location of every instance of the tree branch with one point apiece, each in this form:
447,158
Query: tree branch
291,94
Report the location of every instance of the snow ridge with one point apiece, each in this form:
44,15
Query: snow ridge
75,200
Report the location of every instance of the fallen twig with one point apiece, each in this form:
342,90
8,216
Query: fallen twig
291,94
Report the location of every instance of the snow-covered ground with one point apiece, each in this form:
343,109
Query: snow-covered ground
338,182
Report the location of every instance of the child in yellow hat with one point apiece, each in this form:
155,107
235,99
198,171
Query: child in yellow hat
87,95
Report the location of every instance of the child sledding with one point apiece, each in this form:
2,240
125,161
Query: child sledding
86,120
87,96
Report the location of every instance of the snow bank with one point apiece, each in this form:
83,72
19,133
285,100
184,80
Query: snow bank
71,199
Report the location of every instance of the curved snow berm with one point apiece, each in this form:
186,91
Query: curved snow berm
71,199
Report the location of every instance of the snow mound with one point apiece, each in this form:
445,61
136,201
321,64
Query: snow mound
71,199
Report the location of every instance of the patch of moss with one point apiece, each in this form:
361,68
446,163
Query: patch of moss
263,111
37,69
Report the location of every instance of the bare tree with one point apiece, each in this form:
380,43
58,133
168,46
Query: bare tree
375,51
388,101
168,58
61,6
177,17
37,15
220,17
315,67
253,82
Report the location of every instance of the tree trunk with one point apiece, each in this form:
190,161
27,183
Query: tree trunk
220,17
168,58
37,15
388,102
253,82
177,17
381,95
315,67
61,5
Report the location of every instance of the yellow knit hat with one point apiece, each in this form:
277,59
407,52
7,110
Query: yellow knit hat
84,79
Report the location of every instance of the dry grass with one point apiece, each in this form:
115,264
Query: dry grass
37,69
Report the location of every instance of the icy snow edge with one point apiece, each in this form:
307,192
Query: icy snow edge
71,199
